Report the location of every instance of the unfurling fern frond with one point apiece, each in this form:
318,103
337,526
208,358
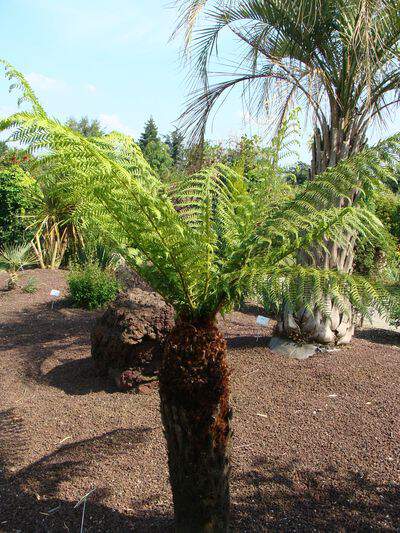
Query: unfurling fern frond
19,83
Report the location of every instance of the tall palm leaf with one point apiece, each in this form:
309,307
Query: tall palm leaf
341,58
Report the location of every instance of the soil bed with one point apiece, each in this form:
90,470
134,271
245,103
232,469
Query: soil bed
316,444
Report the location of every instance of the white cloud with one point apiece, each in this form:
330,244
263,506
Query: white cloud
39,81
90,87
114,123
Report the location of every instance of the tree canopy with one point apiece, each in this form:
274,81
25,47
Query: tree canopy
340,58
85,126
156,153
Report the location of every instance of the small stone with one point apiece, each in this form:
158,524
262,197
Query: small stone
292,349
144,389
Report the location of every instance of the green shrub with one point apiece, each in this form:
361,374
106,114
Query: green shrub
16,198
13,259
31,286
387,209
394,317
91,287
271,306
377,261
96,253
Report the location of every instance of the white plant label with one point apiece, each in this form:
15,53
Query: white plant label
55,293
262,320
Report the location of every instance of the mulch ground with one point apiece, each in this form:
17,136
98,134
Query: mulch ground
316,442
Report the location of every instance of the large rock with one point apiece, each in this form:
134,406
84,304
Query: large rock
131,279
127,339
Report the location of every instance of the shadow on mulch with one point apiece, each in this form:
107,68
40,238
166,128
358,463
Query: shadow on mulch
273,496
41,330
285,497
252,309
379,336
77,377
248,341
28,499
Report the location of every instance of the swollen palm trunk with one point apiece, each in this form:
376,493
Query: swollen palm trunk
196,415
329,147
336,328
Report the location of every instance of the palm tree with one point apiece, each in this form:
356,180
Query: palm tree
201,246
13,259
339,57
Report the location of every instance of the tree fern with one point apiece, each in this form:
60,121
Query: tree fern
205,243
201,247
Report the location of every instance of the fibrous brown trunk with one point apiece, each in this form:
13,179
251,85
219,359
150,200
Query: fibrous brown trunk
195,411
331,144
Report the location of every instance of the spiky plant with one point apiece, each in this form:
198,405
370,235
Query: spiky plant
13,258
56,218
341,58
200,246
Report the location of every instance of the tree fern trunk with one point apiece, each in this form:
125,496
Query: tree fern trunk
196,415
331,145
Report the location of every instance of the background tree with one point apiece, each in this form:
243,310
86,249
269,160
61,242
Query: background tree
340,58
3,148
85,126
57,217
381,260
17,193
158,156
156,153
175,142
299,173
394,185
201,258
150,134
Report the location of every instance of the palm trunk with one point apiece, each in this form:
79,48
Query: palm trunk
331,145
194,393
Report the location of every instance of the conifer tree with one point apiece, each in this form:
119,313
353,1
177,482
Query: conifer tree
175,141
150,134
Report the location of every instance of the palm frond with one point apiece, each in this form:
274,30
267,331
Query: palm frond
16,257
325,54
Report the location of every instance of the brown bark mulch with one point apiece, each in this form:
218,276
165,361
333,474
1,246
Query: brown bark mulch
316,444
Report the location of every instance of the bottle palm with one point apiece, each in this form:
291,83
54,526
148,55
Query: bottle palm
339,58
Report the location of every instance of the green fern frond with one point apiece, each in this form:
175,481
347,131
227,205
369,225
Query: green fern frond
204,244
299,287
21,84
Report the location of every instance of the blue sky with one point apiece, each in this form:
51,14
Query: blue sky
110,60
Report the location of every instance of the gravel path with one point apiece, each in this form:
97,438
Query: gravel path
316,442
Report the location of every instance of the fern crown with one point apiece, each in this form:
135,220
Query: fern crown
203,244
